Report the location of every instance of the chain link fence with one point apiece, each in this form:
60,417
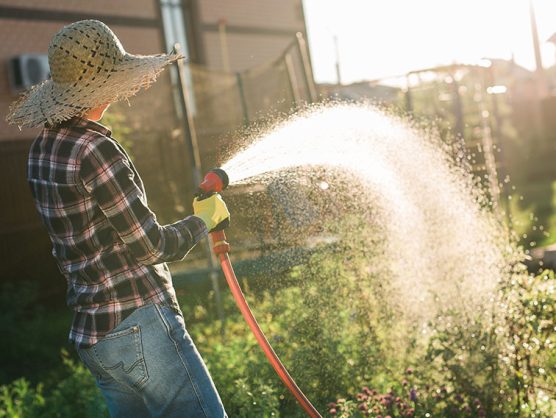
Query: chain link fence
221,102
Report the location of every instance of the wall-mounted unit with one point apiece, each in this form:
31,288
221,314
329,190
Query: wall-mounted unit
26,70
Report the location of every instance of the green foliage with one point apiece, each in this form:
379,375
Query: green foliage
330,326
115,119
245,380
466,354
408,398
31,333
551,218
77,392
497,365
19,399
529,350
74,395
335,345
327,326
532,213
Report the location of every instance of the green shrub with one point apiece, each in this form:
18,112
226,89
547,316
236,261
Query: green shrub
31,334
502,365
75,395
347,350
245,380
528,351
19,399
408,399
328,328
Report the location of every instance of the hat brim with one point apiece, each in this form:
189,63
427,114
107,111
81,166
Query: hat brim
51,102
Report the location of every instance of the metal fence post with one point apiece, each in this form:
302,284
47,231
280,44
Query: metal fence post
497,132
307,71
488,146
292,79
242,99
457,108
195,159
408,97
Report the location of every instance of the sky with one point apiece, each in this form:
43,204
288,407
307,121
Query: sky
386,38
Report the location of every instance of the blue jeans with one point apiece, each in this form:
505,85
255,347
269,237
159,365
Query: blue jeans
148,366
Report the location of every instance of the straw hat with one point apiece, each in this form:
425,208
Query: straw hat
89,68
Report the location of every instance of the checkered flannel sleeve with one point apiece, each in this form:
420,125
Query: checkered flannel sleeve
107,176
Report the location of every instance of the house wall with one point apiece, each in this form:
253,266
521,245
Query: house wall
257,31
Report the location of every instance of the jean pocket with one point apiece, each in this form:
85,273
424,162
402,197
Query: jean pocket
120,354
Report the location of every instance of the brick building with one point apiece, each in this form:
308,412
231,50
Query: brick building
219,34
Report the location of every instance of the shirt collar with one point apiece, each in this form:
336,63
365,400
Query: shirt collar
81,122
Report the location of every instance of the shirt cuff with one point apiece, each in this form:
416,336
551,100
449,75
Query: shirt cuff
193,229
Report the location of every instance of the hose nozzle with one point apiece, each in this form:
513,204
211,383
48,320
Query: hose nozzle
215,181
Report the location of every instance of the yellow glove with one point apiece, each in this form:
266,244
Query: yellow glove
211,210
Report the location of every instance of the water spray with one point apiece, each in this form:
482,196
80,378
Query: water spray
215,181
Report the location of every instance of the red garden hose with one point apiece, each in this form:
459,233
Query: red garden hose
215,181
221,249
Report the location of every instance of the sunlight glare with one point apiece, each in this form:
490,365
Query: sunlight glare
384,39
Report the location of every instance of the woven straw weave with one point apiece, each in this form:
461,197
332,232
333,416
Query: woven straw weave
89,68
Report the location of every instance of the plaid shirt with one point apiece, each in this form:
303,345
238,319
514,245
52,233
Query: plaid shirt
107,242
